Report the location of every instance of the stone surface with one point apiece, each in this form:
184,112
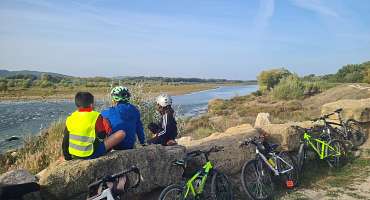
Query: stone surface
263,119
352,109
69,179
18,177
284,134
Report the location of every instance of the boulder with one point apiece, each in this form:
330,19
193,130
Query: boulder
352,109
262,119
69,179
232,158
284,134
15,177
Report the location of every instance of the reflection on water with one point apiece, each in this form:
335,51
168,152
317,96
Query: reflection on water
22,118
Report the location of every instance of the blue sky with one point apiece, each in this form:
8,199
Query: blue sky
233,39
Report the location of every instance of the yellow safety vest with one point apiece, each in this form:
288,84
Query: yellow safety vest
81,128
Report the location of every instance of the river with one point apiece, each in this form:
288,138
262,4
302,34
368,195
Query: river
28,118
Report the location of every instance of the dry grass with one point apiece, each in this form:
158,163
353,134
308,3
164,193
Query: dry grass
38,151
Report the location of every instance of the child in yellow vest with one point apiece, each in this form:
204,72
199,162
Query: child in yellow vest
85,135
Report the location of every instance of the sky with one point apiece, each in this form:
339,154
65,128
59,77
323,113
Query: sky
233,39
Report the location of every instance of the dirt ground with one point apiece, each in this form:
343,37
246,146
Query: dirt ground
349,183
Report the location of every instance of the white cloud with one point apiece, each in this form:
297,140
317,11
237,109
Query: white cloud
265,12
316,6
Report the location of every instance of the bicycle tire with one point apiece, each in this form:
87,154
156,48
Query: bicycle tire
178,189
357,135
337,161
251,168
293,174
301,157
221,187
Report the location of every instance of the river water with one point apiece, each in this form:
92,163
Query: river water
29,118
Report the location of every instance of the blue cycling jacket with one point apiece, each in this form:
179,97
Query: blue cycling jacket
126,117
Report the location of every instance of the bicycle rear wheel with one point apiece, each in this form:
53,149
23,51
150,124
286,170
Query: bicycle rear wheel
356,134
291,175
173,192
256,180
221,187
337,155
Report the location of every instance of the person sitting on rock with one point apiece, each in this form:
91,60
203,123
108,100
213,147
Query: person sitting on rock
85,135
165,131
125,116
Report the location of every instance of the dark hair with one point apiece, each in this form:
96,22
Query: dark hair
84,99
167,109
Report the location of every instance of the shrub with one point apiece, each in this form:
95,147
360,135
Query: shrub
3,85
290,87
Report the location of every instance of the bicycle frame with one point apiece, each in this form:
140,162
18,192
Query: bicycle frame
190,189
321,147
275,169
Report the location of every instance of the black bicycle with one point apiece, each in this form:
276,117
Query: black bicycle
113,187
346,130
257,174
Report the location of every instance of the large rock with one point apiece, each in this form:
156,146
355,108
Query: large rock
284,134
263,119
69,180
232,158
352,109
15,177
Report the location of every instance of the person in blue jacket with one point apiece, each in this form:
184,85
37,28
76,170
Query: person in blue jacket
124,116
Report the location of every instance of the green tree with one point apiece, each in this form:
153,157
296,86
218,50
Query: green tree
3,85
269,78
27,83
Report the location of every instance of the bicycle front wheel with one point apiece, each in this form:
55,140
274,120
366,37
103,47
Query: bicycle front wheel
172,192
221,187
336,153
256,180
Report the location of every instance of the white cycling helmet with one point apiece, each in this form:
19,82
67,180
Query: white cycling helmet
164,100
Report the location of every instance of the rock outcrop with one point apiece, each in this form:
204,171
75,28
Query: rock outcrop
352,109
69,180
284,134
232,158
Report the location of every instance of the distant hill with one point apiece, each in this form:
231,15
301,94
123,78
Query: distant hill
7,73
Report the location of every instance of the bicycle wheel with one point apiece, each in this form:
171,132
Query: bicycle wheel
301,158
356,134
291,175
221,187
256,180
172,192
337,154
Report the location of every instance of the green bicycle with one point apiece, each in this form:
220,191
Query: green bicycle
197,186
334,152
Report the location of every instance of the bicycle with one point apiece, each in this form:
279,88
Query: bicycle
333,151
111,187
194,187
256,176
349,130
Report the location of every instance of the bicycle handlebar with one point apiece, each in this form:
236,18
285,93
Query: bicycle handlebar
111,178
324,117
196,153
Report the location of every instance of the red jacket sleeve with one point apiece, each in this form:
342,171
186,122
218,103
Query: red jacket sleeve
103,126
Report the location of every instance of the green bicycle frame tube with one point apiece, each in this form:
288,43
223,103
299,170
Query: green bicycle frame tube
324,146
190,186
